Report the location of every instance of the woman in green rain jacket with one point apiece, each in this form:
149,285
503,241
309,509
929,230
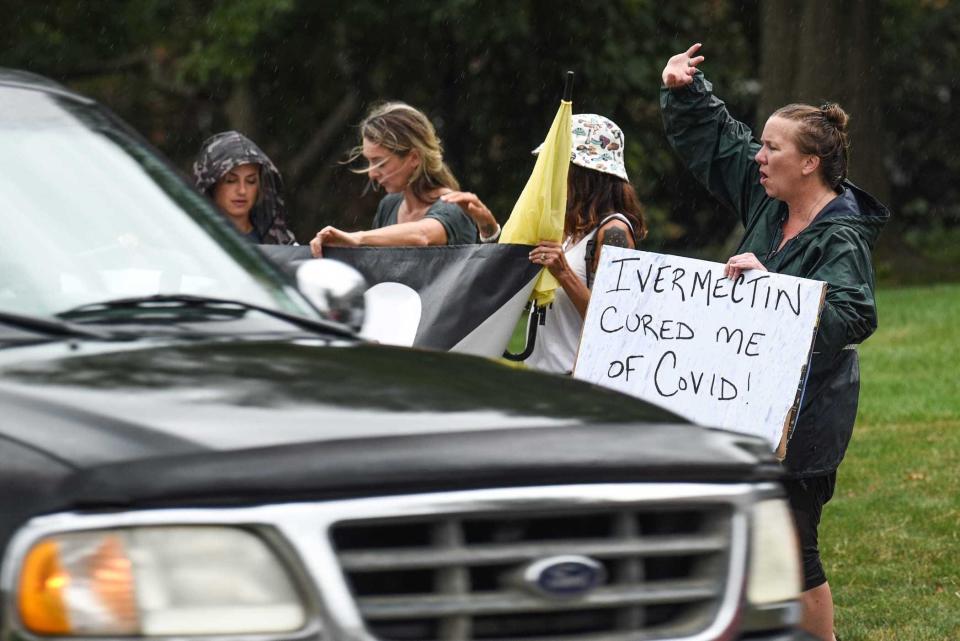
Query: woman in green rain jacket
803,218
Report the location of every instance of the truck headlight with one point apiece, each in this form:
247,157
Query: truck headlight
774,554
151,581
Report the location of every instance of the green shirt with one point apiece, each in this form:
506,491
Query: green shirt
460,228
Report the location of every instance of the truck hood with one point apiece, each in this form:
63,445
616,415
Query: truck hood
196,422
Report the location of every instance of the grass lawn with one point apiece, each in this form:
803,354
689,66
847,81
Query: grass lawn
890,538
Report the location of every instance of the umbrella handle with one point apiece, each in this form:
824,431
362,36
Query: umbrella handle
568,87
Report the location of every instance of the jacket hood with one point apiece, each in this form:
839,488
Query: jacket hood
857,210
224,151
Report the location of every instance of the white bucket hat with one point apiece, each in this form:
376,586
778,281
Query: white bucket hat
597,145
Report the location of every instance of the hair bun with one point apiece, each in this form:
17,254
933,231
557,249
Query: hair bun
835,115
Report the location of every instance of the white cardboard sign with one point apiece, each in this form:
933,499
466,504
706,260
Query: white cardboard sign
676,332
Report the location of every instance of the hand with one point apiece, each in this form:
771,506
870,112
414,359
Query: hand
682,67
333,237
316,246
472,206
741,263
550,254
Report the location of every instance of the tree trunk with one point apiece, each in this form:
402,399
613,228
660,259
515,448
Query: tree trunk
241,111
818,51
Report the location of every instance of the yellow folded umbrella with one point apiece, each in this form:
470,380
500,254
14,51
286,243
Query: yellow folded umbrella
541,209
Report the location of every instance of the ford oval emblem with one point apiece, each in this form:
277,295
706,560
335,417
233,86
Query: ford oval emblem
564,577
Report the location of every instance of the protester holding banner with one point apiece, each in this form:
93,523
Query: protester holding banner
802,218
245,185
602,209
405,157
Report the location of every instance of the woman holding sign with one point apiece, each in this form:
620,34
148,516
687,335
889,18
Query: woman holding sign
802,218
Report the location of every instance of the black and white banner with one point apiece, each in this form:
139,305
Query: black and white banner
463,298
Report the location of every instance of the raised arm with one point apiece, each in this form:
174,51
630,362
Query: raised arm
681,68
715,147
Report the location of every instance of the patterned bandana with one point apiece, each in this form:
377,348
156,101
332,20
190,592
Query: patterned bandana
226,150
597,145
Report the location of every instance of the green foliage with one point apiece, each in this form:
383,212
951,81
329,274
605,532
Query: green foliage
296,75
921,59
221,42
491,80
489,75
889,537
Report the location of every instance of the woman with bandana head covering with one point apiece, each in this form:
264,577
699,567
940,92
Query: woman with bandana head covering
246,187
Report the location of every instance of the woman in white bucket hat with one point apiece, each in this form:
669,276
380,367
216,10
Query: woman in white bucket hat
602,209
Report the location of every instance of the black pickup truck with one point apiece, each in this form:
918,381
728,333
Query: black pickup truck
189,449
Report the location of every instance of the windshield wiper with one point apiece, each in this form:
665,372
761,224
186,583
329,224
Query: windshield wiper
55,327
200,307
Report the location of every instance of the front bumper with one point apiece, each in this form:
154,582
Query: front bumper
781,635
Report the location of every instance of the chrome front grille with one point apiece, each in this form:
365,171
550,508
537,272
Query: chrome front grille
455,577
442,566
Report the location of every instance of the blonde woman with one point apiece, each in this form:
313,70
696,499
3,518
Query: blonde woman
405,157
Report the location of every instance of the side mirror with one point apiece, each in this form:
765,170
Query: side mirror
334,288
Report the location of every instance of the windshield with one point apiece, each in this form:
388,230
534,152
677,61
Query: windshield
88,214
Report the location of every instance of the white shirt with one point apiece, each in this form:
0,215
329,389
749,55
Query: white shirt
558,339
